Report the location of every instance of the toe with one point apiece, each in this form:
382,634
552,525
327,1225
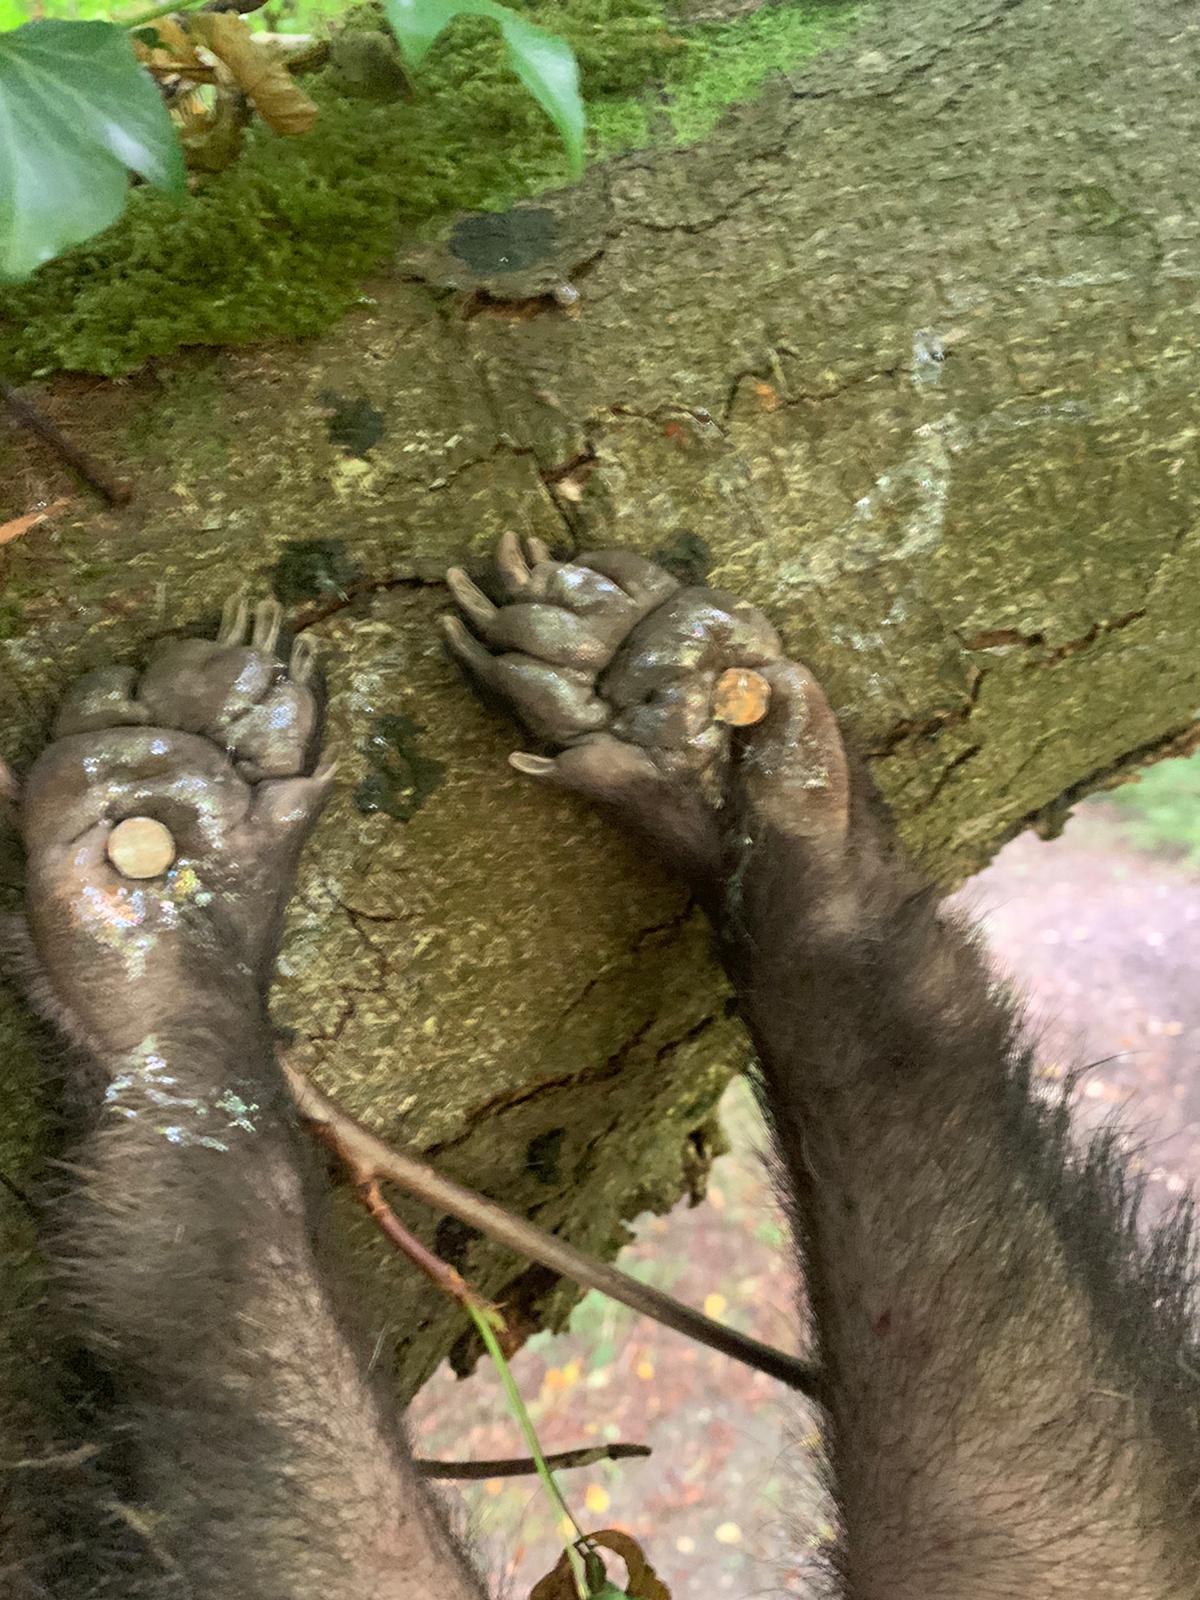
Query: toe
556,703
545,632
235,615
288,804
512,569
642,580
672,817
200,685
273,738
100,699
470,598
589,593
268,619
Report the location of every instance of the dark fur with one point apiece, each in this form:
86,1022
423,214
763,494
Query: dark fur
946,1221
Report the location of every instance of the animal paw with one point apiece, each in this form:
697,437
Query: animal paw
163,824
620,671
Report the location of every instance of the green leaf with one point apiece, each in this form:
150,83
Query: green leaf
77,113
544,62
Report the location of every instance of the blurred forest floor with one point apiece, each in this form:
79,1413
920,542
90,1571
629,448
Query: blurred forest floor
1101,931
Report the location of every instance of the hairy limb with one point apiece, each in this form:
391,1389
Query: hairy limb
1012,1405
242,1447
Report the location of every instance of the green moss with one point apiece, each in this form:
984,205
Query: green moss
402,777
728,63
313,569
279,244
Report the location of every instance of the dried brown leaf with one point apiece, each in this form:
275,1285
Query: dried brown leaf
257,69
558,1584
14,528
644,1583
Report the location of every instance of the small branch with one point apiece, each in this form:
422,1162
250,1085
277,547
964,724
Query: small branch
438,1271
369,1159
114,491
522,1466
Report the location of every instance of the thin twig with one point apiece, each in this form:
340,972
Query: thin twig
114,491
438,1271
368,1158
521,1466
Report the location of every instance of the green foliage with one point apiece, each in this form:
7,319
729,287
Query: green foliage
278,244
543,61
1161,811
78,113
483,1326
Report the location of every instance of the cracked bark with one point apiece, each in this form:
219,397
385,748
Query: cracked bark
904,352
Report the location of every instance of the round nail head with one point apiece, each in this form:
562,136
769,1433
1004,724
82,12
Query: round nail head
740,697
141,847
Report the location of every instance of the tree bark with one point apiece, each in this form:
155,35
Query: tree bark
904,353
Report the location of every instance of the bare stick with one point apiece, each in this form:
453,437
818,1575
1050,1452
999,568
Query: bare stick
522,1466
438,1271
368,1158
113,490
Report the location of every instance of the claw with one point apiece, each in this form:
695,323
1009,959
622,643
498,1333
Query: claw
469,596
234,616
511,564
268,619
532,766
539,550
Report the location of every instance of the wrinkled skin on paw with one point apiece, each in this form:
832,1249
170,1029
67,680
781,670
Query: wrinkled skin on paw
214,741
611,664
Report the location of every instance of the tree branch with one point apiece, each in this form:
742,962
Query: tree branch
520,1466
369,1159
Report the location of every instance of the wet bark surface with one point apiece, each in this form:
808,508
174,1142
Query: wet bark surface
903,353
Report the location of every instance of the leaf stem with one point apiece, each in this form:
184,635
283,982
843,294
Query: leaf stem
517,1407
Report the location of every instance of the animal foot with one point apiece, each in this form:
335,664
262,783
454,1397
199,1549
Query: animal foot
163,825
634,682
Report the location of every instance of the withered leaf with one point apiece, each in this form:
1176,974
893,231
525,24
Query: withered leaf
644,1582
560,1584
19,525
257,69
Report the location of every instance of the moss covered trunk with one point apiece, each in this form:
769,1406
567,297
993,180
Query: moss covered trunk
904,351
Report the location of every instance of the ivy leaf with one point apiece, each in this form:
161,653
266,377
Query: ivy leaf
77,113
544,62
